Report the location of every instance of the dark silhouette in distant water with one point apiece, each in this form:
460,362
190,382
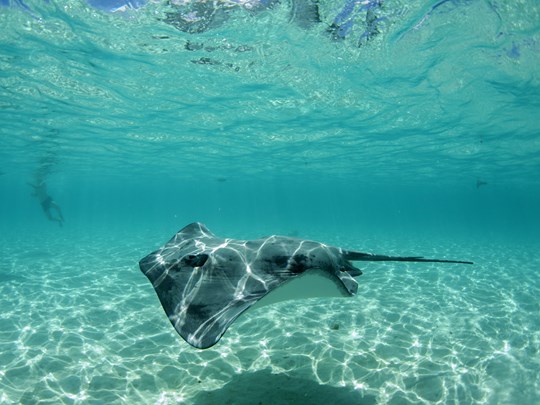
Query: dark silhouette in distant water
47,146
480,183
50,207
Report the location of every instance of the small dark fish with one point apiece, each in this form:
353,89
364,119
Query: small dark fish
480,183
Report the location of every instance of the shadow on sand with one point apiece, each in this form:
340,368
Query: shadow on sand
264,388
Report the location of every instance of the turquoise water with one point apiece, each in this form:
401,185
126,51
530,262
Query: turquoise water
422,141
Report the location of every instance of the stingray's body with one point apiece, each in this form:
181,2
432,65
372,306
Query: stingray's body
205,282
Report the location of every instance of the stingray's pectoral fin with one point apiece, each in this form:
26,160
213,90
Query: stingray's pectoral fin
350,284
368,257
353,271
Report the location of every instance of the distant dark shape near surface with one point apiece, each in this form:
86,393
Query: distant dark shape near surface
204,282
480,183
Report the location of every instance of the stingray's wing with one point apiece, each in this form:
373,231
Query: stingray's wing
368,257
203,293
190,233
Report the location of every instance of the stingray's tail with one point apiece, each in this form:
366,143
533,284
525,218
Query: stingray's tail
368,257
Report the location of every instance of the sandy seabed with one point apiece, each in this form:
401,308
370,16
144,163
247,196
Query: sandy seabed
81,324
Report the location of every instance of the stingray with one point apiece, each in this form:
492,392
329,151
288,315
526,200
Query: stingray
204,282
